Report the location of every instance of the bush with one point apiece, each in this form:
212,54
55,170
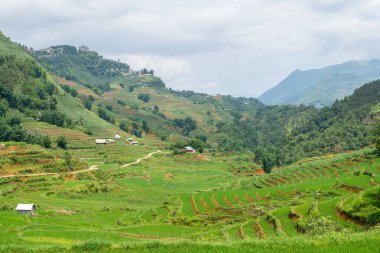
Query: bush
61,142
46,142
144,97
122,103
319,225
92,246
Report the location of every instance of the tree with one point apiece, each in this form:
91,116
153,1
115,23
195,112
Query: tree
61,142
144,97
3,107
46,142
123,126
376,136
68,160
88,103
145,126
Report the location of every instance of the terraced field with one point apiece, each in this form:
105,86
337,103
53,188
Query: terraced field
177,198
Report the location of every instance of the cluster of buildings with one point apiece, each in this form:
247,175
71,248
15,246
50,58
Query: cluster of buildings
114,140
108,140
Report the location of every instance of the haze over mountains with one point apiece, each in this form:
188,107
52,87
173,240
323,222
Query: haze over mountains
323,86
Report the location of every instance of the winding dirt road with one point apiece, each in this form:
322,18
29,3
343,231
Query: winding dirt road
91,168
140,159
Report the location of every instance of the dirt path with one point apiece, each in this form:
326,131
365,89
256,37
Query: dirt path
91,168
140,159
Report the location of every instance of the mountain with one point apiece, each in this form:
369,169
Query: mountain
279,135
33,105
140,103
323,86
136,98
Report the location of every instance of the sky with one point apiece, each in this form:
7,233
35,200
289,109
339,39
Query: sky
240,47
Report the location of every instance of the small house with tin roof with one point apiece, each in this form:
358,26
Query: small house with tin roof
29,209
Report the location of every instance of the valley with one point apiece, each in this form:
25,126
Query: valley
115,161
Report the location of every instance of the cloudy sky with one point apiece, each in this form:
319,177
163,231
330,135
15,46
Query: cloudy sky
240,47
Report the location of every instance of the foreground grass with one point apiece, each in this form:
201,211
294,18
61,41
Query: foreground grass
353,242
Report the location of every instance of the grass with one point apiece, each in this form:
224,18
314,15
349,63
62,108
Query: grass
139,206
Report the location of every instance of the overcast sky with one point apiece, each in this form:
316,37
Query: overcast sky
240,47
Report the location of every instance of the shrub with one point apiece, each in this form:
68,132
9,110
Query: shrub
144,97
122,103
61,142
92,246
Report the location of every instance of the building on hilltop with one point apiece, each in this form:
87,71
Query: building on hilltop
26,209
84,48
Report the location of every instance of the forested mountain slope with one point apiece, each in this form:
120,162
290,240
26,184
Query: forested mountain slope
322,86
276,141
30,96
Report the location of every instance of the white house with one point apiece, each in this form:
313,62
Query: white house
117,137
134,143
189,149
101,141
26,209
109,141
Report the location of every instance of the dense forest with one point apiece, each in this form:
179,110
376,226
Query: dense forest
279,135
86,67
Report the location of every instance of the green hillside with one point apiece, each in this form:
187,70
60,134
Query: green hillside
280,135
322,86
86,67
261,179
30,96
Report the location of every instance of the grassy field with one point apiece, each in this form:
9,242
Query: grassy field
179,202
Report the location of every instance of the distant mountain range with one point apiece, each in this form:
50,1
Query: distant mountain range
323,86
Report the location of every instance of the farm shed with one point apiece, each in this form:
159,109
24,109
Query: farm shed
26,209
135,143
101,141
117,137
109,141
189,149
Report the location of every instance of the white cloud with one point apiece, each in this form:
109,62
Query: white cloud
242,47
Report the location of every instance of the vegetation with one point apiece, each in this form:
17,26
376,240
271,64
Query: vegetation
156,197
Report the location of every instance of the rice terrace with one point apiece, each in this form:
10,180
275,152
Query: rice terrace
97,155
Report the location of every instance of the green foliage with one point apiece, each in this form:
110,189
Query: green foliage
68,160
69,90
104,114
92,246
145,126
61,142
362,211
121,102
109,107
187,124
123,126
319,225
178,147
280,135
144,97
88,68
46,142
376,136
